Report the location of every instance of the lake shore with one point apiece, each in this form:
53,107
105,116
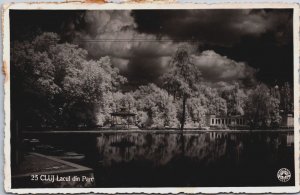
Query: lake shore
150,131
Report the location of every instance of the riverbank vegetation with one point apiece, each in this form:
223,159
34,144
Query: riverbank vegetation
56,84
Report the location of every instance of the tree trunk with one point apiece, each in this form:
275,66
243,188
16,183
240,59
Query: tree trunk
182,125
183,112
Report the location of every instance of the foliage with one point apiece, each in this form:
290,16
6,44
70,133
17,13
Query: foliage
180,79
286,99
196,111
182,75
262,109
235,100
60,85
158,104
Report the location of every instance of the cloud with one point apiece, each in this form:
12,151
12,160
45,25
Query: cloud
223,27
216,68
262,38
113,33
142,57
102,22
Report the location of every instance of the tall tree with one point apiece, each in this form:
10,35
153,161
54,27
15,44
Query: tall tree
180,79
262,108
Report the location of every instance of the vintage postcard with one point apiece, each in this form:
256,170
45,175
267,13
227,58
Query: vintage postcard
151,98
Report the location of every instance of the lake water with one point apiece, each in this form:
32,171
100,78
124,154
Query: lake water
183,160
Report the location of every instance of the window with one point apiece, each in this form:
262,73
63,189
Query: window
212,121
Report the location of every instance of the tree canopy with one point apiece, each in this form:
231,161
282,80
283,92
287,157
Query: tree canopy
56,84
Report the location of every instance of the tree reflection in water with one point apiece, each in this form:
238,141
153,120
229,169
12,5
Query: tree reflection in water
193,159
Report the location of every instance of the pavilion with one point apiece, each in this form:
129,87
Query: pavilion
122,119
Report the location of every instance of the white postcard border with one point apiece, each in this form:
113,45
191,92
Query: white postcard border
156,5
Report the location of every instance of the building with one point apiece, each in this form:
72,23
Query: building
225,121
123,119
287,121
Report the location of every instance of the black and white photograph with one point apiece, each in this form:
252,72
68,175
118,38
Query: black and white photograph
134,98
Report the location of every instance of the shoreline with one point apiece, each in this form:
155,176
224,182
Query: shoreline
153,131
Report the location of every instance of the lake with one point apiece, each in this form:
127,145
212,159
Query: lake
191,159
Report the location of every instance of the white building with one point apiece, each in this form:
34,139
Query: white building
223,121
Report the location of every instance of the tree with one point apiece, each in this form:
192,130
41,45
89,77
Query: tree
88,86
235,100
33,80
196,111
286,99
158,104
180,79
261,108
212,100
125,100
58,84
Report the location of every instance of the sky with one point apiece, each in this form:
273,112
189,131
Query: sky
228,46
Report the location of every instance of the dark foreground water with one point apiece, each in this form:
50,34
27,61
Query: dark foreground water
183,160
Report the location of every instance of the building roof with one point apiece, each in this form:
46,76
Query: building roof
122,113
226,116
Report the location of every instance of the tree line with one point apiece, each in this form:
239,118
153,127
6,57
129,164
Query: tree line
56,84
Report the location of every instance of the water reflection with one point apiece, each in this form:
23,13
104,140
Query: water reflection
193,159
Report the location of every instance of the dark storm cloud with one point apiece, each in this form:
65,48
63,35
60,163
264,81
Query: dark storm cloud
260,37
254,42
274,62
215,26
142,57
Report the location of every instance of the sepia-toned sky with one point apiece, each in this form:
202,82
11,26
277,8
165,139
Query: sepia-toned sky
228,46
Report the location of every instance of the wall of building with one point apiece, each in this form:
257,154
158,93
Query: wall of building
213,120
287,120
